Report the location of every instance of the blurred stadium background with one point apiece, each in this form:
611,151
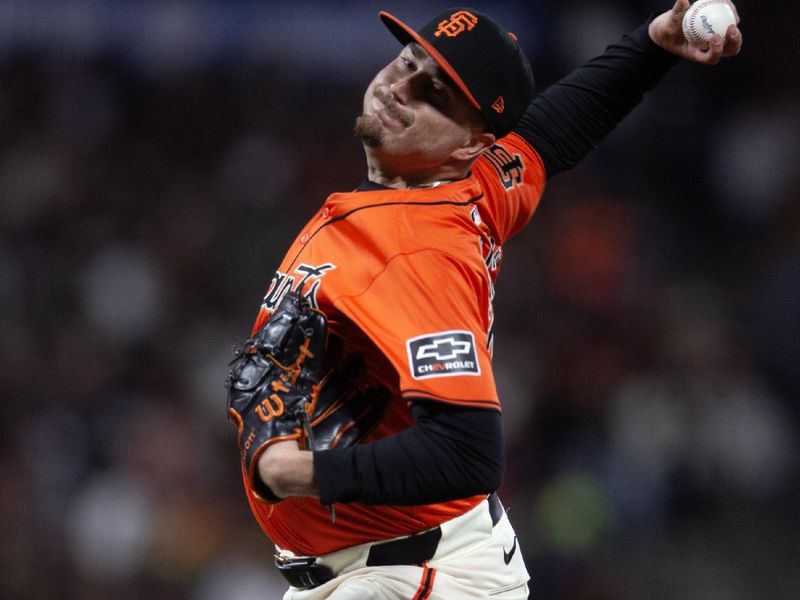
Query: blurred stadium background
156,158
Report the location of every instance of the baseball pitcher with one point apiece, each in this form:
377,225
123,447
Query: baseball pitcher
367,416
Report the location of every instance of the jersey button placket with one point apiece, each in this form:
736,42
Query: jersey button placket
304,238
326,212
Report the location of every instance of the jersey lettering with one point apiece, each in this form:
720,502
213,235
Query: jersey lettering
283,283
492,255
508,166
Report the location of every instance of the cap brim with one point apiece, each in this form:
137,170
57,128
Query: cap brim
406,35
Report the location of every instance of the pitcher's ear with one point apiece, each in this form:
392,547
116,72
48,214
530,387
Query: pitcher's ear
475,145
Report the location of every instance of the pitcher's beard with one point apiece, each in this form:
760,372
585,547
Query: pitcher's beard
369,130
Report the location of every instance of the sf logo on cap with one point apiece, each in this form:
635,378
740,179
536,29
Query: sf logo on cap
458,23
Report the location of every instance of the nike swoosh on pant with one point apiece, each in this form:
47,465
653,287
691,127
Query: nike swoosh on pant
508,555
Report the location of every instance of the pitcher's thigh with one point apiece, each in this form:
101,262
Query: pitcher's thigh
397,582
359,590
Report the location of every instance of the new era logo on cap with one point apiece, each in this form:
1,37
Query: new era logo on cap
499,105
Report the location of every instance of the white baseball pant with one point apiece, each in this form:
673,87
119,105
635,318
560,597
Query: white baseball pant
474,560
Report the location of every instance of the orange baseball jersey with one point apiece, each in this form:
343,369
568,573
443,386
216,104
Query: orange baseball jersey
406,280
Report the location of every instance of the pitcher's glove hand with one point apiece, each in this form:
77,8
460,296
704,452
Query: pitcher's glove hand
279,388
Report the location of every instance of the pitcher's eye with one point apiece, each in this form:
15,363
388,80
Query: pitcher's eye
437,95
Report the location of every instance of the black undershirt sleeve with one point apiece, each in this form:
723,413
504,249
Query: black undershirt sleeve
451,452
567,120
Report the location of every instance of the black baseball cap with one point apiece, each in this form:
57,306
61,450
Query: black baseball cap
483,59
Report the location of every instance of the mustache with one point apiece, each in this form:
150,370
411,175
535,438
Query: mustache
388,100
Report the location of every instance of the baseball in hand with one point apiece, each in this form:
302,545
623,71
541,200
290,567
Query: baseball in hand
705,18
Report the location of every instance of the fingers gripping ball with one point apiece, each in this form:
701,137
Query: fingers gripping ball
274,382
706,18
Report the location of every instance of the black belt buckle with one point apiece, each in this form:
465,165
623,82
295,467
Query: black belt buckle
303,572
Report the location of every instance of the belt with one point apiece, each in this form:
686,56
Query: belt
303,572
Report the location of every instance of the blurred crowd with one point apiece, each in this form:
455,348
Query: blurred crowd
648,329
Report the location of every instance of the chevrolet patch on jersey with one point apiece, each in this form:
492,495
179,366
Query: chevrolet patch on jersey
442,354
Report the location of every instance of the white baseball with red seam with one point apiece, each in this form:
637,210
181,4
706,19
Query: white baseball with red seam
705,18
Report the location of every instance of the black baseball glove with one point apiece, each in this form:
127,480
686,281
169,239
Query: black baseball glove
281,387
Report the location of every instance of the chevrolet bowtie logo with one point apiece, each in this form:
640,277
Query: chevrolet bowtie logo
444,349
443,354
